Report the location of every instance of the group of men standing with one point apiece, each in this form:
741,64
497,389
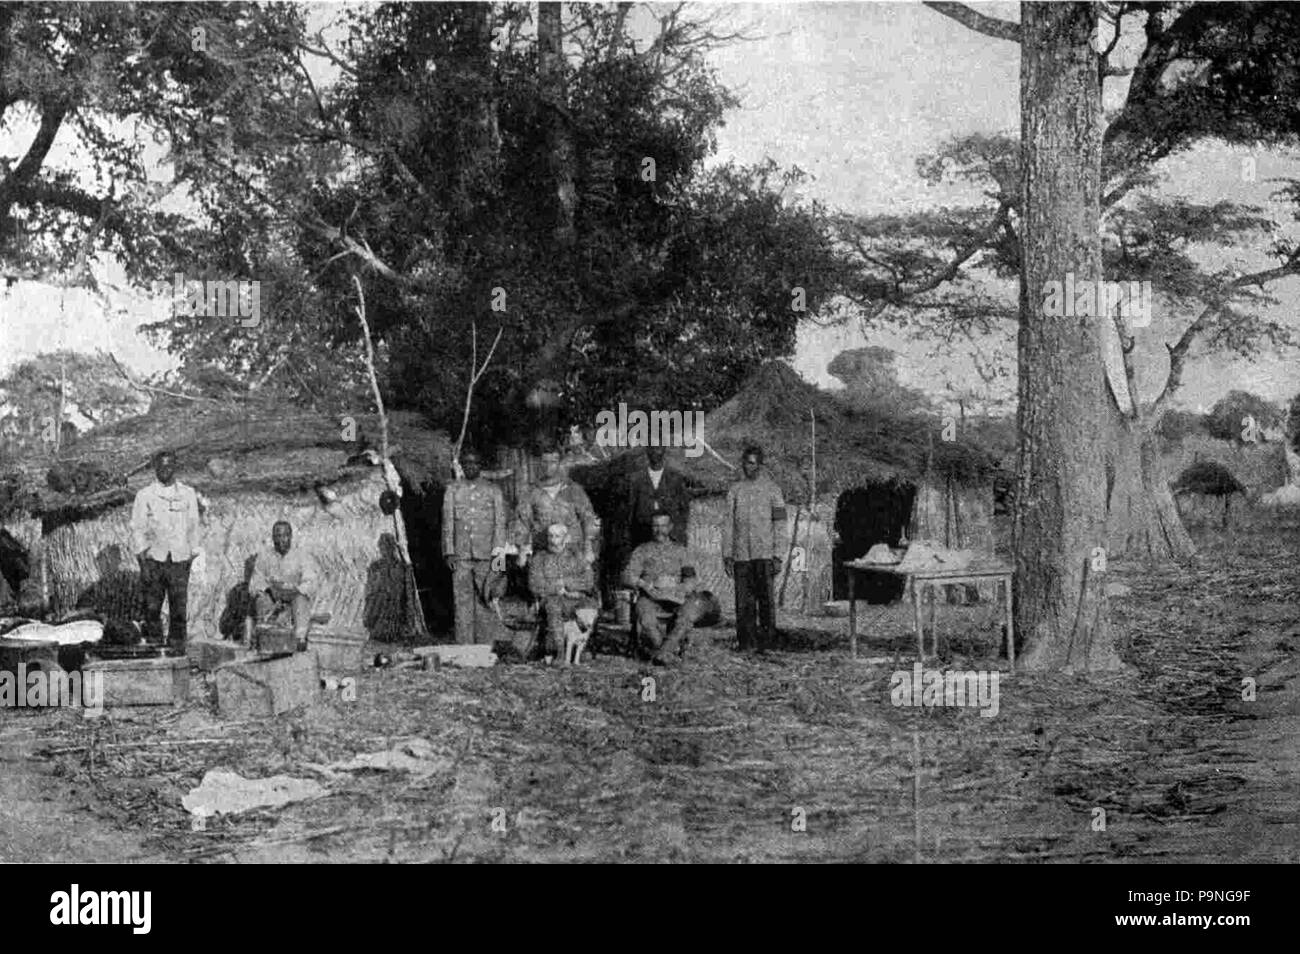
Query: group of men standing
555,533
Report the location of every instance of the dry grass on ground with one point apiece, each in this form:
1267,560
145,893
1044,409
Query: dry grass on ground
732,750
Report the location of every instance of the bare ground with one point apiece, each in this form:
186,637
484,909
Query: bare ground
734,753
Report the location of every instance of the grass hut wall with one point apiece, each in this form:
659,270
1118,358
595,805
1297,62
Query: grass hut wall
253,465
897,466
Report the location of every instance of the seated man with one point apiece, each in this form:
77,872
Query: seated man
661,573
561,580
284,582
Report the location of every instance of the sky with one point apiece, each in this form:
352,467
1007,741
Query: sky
853,94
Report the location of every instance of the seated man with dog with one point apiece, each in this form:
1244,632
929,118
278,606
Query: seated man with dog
561,580
662,574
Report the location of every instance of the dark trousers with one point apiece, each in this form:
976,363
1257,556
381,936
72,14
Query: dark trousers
168,579
755,622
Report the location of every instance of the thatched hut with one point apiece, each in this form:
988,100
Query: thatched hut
878,475
253,463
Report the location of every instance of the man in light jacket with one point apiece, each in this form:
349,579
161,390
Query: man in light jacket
165,527
473,532
284,582
753,535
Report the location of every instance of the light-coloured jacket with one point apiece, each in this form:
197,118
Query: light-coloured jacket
294,571
165,522
753,526
570,506
548,573
473,519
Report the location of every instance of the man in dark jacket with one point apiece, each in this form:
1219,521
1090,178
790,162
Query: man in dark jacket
652,490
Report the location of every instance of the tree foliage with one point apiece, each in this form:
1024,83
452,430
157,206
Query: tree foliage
1232,415
1204,71
428,169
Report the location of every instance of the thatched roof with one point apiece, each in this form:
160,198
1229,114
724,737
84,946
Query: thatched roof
855,446
223,448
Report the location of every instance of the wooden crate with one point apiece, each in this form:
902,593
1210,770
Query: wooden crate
274,640
143,682
43,656
338,650
210,654
266,687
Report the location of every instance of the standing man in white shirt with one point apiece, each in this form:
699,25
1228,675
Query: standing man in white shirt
165,526
284,581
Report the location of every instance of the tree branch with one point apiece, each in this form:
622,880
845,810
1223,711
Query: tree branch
22,174
476,372
979,22
1178,352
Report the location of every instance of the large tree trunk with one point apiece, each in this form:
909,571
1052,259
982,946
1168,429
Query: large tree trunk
1142,520
559,143
1060,517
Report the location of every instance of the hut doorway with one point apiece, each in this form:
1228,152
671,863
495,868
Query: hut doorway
422,516
865,516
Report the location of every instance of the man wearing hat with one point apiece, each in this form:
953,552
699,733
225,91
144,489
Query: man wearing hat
165,526
663,575
473,530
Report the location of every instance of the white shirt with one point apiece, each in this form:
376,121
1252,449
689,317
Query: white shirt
293,570
655,477
165,522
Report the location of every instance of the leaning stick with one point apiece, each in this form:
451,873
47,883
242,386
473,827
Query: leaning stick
413,594
794,539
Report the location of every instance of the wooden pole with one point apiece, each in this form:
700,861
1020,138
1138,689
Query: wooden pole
412,590
812,513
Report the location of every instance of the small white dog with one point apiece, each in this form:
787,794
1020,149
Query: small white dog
576,633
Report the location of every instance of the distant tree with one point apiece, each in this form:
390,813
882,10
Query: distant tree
871,381
97,75
1178,74
1240,416
66,387
550,187
1178,425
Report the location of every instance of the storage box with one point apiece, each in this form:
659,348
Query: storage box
143,682
267,687
37,656
338,650
209,654
274,640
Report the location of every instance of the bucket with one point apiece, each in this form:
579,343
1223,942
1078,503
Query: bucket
623,607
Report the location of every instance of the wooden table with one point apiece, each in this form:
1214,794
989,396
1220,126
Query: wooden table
918,578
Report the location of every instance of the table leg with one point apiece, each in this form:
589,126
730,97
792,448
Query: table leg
1011,626
934,630
916,612
853,620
